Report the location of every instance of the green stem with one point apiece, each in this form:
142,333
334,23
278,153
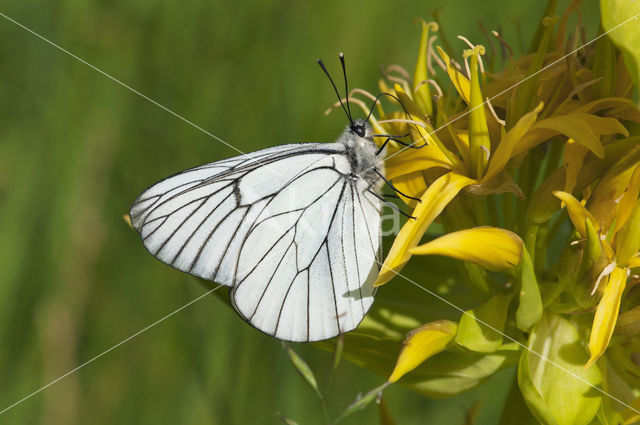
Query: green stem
479,209
494,216
509,211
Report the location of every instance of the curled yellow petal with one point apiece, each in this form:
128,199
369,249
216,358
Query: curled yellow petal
490,247
606,314
433,201
577,212
421,344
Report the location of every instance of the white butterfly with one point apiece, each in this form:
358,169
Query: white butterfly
294,230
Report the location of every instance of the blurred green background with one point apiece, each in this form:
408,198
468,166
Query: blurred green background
77,148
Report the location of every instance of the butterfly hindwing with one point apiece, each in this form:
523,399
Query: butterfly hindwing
312,277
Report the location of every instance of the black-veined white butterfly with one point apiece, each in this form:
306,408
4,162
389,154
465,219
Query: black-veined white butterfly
294,230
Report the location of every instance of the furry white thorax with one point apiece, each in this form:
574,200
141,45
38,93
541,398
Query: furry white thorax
361,152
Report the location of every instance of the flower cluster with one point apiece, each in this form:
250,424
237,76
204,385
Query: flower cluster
528,170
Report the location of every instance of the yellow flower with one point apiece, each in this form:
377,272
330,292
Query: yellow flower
614,198
527,170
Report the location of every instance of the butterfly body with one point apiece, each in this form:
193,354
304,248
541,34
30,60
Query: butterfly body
294,230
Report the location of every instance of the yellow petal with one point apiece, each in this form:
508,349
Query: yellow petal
628,240
604,201
504,151
410,184
436,197
490,247
577,212
421,344
426,134
422,91
574,153
408,103
384,88
585,129
634,262
598,105
412,160
628,201
460,82
479,142
460,138
606,315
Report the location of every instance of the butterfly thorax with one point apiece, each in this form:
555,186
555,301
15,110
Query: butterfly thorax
363,154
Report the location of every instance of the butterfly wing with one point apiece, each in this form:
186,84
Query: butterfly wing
307,267
282,226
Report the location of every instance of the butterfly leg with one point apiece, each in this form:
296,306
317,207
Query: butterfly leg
394,188
390,137
391,204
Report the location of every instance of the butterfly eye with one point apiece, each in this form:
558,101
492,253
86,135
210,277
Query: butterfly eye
358,129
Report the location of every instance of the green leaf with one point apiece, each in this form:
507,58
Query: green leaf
556,388
529,310
303,369
617,13
476,328
450,372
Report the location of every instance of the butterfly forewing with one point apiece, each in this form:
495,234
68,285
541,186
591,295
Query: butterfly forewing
291,229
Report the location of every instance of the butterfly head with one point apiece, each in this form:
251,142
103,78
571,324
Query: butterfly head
360,128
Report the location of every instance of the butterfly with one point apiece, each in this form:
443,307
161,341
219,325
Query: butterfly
293,230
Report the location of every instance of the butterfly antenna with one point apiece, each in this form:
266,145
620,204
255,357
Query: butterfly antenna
346,86
335,89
